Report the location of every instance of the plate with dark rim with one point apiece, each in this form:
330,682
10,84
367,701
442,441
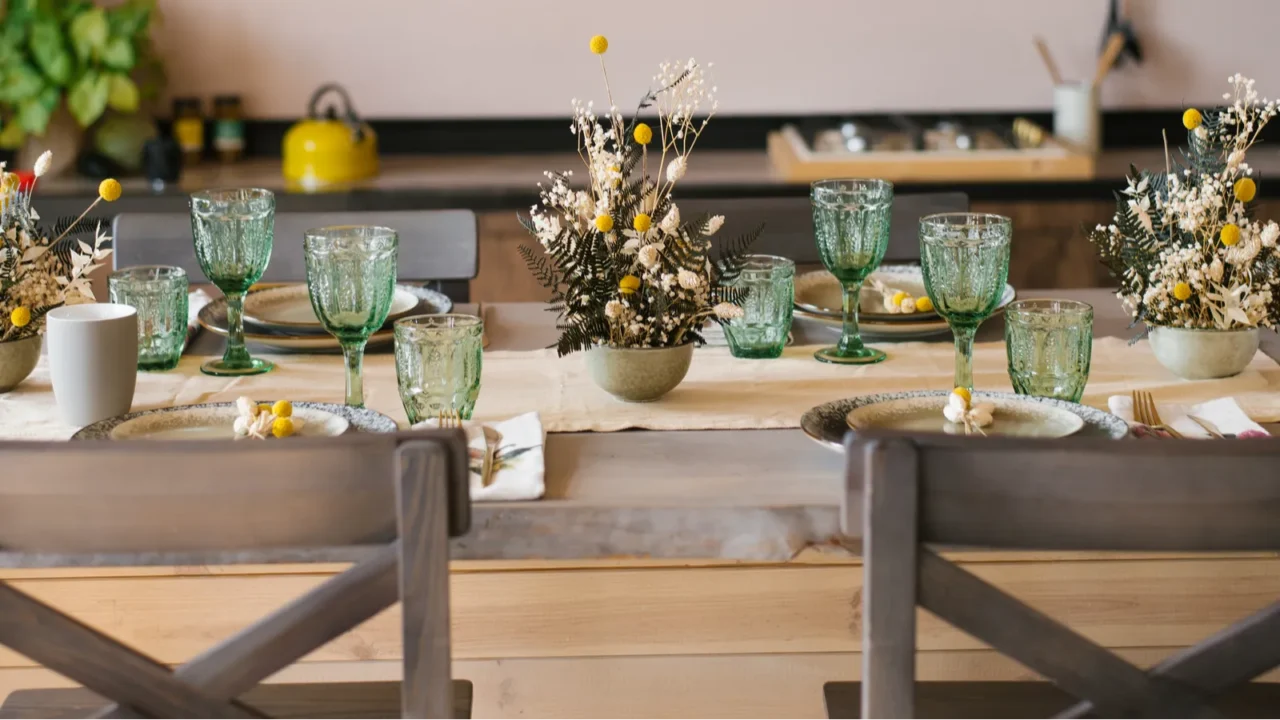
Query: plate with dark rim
289,307
191,422
827,424
818,294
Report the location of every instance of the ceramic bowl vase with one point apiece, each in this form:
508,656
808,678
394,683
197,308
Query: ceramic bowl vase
638,374
1204,354
17,359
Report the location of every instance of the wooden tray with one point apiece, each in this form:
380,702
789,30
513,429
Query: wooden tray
795,162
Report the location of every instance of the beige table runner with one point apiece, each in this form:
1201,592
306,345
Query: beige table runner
720,392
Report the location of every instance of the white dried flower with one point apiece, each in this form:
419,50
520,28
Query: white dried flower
890,306
1234,159
649,254
676,168
1269,234
688,279
43,162
727,311
713,225
241,426
613,310
953,414
246,407
1215,271
671,223
908,305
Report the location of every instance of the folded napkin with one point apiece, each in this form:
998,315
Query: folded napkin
196,300
519,466
1225,413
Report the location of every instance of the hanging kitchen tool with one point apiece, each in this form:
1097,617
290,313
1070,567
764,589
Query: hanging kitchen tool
335,149
1118,22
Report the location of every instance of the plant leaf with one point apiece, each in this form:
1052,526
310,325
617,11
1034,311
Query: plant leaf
50,52
87,98
118,54
122,94
20,81
33,116
89,32
12,135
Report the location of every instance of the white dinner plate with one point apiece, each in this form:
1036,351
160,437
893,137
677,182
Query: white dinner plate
818,294
213,421
289,306
1014,416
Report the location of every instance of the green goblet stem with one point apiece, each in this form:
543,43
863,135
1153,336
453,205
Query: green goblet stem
964,356
851,337
353,352
235,356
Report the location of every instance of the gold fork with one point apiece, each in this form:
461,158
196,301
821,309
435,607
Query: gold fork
1144,411
448,419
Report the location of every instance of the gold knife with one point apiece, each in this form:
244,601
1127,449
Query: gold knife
1209,427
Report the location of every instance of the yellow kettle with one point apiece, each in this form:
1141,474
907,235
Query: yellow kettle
332,151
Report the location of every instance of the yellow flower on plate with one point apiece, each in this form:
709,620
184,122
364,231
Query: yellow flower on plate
643,134
1245,189
628,284
1182,291
282,427
20,317
1191,119
964,393
1230,234
599,44
898,297
264,408
642,222
924,304
604,223
110,190
282,409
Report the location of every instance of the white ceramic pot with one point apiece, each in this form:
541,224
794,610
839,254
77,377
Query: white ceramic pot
93,360
1204,354
638,374
17,359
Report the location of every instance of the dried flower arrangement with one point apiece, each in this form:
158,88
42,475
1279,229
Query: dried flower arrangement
1183,243
38,274
624,268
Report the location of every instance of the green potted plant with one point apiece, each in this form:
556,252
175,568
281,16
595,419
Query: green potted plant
63,64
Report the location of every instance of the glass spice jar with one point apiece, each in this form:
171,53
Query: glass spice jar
188,128
228,127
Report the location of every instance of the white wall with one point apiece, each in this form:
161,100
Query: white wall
527,58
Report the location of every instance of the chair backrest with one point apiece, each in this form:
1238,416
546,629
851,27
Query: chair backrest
903,492
434,244
389,501
788,222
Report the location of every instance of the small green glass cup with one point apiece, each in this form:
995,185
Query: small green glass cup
851,228
351,279
233,231
1050,346
159,294
762,330
438,360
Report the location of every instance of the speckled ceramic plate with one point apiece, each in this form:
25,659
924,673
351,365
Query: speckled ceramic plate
212,421
871,330
1016,416
819,294
827,423
289,307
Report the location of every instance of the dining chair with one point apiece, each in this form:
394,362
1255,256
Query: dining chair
908,495
435,245
389,503
788,223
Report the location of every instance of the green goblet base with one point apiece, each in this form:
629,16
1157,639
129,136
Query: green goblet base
861,356
222,368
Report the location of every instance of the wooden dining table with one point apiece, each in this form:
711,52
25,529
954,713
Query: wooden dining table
674,573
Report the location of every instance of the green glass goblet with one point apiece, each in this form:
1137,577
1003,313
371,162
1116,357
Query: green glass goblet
351,278
233,230
851,226
965,262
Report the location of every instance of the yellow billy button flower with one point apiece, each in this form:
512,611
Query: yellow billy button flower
643,134
604,223
629,284
924,304
20,317
1191,119
642,223
110,190
1182,291
599,44
898,297
264,408
8,183
282,409
282,427
964,393
1245,189
1230,234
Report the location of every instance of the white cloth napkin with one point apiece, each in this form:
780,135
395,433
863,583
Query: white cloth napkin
1225,413
196,300
519,467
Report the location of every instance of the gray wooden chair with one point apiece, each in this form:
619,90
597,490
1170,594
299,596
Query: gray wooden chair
387,502
788,223
909,493
435,245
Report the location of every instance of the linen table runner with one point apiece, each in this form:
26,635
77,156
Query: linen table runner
720,391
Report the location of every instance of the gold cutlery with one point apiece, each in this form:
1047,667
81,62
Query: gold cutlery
1208,426
491,442
1144,411
449,420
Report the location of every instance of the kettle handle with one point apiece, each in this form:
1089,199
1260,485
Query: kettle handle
350,119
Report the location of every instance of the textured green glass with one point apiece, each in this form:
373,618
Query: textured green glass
233,230
851,227
438,360
762,330
1050,345
351,278
159,294
965,260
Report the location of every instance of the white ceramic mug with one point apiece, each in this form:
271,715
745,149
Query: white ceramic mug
1076,117
93,360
